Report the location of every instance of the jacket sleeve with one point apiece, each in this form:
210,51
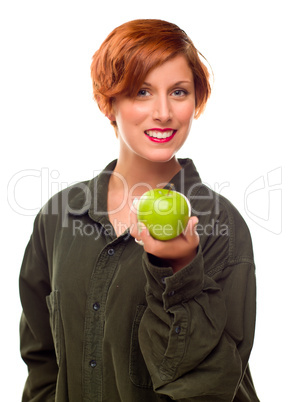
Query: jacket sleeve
197,332
36,343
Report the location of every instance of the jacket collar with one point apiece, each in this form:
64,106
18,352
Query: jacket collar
91,196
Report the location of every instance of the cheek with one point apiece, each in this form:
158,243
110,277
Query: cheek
133,115
186,114
139,113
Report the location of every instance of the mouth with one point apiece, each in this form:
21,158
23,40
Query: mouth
160,135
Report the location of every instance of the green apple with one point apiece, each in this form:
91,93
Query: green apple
164,212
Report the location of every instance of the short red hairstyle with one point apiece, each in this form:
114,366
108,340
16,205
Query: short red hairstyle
132,50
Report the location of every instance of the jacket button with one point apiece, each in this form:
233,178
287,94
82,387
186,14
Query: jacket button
178,329
110,251
170,294
96,306
92,363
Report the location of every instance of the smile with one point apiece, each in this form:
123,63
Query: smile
159,135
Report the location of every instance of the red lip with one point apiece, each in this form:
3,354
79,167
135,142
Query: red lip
162,130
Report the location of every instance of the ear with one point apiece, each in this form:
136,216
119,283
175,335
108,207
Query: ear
110,116
109,112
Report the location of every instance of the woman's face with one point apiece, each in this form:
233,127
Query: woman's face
155,124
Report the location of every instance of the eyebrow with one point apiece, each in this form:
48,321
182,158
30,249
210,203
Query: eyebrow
174,85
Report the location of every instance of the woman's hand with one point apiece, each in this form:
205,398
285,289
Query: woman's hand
177,252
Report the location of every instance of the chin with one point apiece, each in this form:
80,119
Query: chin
160,157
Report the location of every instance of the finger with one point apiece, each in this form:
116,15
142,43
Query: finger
142,234
139,242
191,228
133,222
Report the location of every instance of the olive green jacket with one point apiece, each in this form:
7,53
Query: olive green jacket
104,321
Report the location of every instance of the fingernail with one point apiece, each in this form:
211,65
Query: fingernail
140,242
140,227
133,206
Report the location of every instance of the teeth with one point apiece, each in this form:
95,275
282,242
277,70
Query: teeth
159,134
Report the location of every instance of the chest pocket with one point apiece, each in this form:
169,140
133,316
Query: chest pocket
138,371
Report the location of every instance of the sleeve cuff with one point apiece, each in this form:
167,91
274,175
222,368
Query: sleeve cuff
173,288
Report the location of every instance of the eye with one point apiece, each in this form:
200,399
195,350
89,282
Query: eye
179,92
142,93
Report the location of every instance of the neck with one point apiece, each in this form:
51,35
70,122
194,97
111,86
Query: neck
143,174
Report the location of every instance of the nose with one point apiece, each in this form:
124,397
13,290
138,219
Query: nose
162,111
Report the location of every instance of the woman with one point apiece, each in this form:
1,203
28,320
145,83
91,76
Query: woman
110,313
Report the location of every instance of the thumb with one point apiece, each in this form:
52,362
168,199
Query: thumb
191,228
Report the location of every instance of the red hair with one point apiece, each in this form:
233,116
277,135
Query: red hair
132,50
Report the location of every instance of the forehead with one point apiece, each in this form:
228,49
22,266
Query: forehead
174,70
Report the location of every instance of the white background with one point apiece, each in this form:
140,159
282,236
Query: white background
52,135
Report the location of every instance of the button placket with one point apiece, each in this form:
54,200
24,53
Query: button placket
104,269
